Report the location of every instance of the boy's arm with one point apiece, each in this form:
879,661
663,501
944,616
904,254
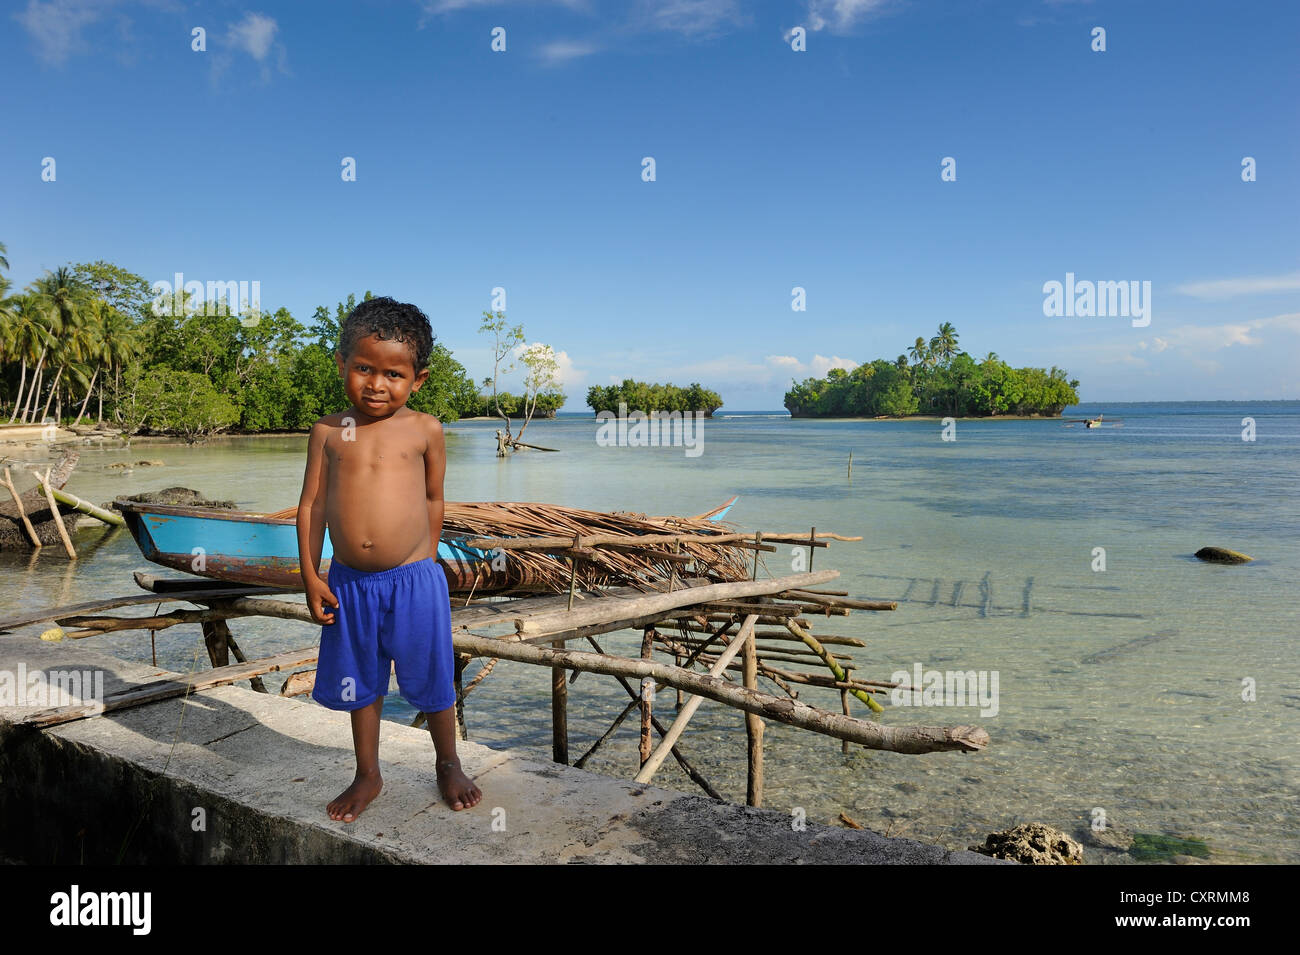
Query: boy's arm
435,469
311,505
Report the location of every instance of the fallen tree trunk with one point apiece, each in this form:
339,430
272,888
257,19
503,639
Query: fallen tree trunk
13,535
898,739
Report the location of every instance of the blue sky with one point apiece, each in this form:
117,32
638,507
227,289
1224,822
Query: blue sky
774,169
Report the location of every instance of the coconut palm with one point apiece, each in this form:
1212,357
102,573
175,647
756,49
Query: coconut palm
63,301
944,344
27,340
920,352
991,358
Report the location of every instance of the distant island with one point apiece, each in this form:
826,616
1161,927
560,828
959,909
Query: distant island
646,398
939,380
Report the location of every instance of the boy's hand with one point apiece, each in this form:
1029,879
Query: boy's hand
318,594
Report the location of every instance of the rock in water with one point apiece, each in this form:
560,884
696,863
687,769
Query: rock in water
1033,844
1221,555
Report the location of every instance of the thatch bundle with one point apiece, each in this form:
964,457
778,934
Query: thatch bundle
604,562
537,543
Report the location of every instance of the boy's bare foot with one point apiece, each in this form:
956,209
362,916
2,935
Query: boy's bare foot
457,788
353,800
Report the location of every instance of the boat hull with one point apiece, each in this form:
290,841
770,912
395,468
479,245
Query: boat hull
253,549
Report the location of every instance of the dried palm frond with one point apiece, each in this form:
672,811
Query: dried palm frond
622,561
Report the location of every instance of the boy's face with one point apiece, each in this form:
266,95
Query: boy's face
379,376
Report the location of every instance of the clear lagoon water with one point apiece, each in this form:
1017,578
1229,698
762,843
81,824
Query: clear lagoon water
1119,689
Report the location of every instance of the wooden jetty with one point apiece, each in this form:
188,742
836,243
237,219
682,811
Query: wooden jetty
745,643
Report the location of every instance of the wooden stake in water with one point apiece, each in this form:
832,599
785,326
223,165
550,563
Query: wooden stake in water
850,465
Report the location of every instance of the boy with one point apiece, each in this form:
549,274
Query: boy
374,477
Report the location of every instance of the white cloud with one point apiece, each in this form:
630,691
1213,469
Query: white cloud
1249,285
691,17
253,34
561,51
840,16
820,364
57,26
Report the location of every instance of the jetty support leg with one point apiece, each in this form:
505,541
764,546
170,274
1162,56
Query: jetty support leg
559,712
753,729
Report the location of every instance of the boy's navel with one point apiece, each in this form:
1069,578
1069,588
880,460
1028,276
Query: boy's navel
367,543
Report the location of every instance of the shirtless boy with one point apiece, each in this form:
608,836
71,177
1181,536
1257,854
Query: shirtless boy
374,478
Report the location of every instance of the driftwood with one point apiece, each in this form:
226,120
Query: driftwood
22,512
13,535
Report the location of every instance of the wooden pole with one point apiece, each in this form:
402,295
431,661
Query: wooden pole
850,465
608,611
255,683
679,724
559,712
753,727
844,706
58,518
690,770
18,502
216,638
647,696
461,660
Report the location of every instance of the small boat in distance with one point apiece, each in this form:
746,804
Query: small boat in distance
262,549
1093,422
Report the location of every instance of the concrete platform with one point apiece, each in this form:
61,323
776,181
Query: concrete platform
233,776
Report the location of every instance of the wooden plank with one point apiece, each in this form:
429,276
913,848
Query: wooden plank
157,690
603,611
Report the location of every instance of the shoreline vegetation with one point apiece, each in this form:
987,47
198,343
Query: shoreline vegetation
85,346
939,381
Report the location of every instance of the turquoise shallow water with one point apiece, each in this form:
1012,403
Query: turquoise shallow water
1119,689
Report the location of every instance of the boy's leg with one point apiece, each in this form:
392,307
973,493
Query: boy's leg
457,788
367,783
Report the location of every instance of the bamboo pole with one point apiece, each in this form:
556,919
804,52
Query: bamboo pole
743,540
18,502
679,724
85,507
753,726
58,518
832,665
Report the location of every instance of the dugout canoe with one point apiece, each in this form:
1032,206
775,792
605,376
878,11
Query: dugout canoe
262,549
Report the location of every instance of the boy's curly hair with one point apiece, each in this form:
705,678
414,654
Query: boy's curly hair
389,320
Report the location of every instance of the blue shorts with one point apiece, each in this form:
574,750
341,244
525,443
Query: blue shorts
397,616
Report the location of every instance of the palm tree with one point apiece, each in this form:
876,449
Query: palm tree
27,338
944,344
4,262
991,358
920,352
63,301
